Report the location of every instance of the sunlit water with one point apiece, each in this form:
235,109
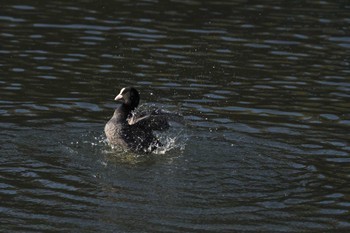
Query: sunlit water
263,88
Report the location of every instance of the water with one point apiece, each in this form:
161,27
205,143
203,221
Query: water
264,87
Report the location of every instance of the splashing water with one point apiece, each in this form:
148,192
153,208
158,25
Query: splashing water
174,139
171,140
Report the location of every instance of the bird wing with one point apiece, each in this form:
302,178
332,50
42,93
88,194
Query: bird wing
150,122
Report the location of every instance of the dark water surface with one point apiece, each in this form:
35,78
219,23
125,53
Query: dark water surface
264,86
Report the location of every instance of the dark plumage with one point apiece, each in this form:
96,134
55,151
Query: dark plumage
127,131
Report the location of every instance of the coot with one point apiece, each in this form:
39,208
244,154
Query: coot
134,133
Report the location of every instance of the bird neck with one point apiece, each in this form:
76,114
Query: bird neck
123,112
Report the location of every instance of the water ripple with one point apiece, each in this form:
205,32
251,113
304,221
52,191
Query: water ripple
264,89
